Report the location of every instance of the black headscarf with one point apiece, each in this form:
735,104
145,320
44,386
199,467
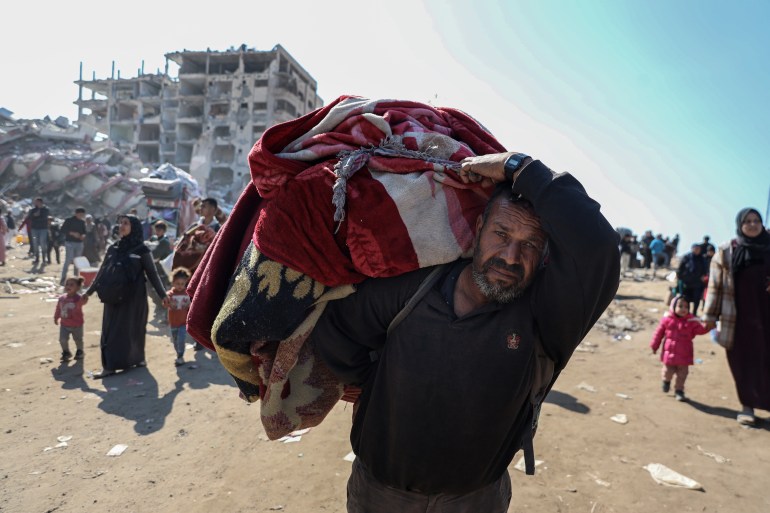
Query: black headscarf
133,240
750,250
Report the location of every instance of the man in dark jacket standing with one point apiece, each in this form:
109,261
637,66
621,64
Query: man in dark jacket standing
37,221
74,231
445,402
693,273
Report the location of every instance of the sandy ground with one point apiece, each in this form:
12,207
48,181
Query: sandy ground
194,446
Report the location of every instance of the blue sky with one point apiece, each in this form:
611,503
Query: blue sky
660,108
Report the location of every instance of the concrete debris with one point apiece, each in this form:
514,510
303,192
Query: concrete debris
66,166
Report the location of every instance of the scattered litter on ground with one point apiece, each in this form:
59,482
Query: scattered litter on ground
665,476
294,436
599,481
351,457
46,360
585,386
64,438
586,347
620,418
623,396
117,450
716,457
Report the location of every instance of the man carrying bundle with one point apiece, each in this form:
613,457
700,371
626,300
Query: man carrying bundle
446,396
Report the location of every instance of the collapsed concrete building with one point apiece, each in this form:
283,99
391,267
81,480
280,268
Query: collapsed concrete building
206,120
63,164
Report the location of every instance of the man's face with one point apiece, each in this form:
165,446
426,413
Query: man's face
208,210
38,203
696,250
509,247
80,215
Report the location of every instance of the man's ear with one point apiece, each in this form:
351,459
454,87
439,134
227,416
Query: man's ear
479,225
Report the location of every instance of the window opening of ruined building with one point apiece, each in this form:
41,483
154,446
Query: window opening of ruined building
260,83
222,131
260,105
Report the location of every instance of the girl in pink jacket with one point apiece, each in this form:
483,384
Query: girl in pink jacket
677,329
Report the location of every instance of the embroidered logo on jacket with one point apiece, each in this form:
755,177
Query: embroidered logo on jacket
513,340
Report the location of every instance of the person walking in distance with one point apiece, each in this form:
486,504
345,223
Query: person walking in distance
74,231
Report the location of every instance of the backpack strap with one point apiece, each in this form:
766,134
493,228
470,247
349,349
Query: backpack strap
542,379
423,289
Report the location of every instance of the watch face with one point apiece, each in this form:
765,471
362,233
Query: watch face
512,165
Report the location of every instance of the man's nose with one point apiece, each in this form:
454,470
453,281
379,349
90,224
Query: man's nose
512,253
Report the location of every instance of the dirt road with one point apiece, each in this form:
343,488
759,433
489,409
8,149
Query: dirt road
194,446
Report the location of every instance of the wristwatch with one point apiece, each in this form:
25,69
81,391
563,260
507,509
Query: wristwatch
513,164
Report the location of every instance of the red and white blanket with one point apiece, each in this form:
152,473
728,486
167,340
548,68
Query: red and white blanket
360,188
399,211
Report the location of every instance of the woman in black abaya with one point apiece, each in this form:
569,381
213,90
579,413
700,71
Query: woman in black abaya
124,324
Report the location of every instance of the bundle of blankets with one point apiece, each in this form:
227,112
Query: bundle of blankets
359,189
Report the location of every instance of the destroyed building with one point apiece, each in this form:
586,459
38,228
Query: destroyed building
206,120
63,164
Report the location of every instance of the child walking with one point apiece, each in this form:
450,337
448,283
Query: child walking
177,311
676,331
69,310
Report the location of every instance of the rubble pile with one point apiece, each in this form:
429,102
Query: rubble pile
66,166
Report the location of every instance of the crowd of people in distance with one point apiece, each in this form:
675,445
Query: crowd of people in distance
646,252
123,246
78,235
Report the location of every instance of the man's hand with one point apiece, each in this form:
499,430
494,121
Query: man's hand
84,299
166,302
710,325
56,320
488,168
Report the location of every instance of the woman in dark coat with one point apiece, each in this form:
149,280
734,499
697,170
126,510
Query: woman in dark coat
124,324
739,297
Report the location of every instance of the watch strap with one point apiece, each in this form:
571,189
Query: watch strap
513,164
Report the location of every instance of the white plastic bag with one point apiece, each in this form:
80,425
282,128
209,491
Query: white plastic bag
665,476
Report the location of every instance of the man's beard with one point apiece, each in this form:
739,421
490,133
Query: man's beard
496,291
